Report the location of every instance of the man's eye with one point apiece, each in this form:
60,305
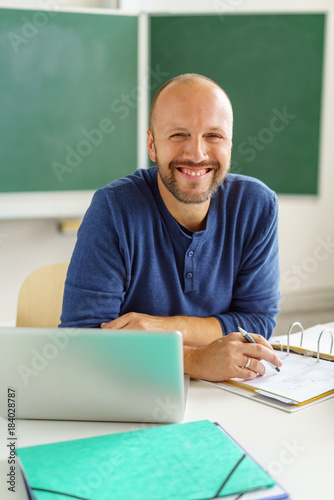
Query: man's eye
178,135
214,136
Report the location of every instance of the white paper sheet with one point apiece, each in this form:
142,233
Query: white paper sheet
300,378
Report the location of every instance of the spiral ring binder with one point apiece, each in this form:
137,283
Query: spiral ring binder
307,352
296,323
319,338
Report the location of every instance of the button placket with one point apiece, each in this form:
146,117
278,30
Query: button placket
189,268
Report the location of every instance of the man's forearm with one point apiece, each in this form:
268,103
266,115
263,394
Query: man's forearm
207,353
196,331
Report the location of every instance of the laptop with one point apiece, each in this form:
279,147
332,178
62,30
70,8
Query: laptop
92,374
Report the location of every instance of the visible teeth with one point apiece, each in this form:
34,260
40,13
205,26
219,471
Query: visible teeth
195,173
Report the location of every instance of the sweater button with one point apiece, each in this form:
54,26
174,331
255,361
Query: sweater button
191,253
189,275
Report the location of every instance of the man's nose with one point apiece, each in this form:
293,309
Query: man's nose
196,150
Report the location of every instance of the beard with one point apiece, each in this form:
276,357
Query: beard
168,178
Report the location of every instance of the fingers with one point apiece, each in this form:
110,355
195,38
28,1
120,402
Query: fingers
251,367
105,325
260,340
116,324
270,356
262,349
252,354
239,351
136,321
259,351
229,357
247,374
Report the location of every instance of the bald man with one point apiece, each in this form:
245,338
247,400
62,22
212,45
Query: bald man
183,245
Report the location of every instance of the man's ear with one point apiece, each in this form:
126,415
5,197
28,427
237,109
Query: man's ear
150,146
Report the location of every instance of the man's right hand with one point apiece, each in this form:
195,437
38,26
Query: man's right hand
226,358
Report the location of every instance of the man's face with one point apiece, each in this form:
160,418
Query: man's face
191,140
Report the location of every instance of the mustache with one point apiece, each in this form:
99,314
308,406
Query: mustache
187,163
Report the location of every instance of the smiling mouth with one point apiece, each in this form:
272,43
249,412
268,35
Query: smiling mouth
194,172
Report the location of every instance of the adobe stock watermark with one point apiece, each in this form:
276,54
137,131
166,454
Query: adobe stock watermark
299,273
74,156
40,358
257,143
32,24
101,471
121,107
224,6
289,454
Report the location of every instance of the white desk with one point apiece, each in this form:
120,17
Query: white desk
296,448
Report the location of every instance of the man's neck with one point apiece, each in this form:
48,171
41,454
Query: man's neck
190,215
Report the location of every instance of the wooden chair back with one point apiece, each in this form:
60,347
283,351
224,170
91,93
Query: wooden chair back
41,296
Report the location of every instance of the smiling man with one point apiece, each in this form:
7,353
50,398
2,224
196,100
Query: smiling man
190,140
183,245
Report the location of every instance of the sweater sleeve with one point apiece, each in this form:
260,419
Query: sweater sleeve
254,303
96,279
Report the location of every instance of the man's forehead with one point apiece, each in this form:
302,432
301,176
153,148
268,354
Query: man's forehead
205,101
184,96
192,98
191,87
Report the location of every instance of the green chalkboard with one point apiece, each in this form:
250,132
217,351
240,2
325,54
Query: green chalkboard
68,102
271,66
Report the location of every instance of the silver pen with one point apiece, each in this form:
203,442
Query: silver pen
250,339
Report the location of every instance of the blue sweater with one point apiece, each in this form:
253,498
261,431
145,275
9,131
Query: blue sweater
132,255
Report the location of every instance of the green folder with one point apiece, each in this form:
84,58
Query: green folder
193,461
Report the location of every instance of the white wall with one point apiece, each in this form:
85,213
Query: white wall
61,4
306,228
